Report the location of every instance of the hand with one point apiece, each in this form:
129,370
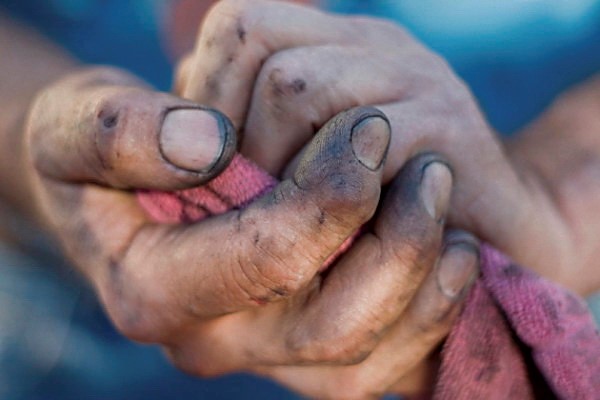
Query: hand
280,71
562,148
369,325
250,295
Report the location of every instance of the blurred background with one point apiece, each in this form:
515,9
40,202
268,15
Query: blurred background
55,342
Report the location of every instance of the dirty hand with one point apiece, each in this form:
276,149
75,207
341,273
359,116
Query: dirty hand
242,291
280,71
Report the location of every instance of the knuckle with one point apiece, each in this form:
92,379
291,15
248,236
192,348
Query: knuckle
264,274
230,19
280,78
105,111
264,278
102,125
114,121
452,97
282,90
76,109
429,70
456,99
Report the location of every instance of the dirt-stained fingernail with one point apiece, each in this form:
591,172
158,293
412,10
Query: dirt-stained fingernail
458,268
193,139
436,188
370,141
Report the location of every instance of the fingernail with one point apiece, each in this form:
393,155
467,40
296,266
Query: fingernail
436,188
457,269
370,141
192,139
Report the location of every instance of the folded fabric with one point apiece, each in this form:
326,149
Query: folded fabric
518,337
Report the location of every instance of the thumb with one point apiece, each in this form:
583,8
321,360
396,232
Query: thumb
104,126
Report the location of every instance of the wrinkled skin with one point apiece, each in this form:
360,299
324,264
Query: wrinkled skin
291,78
377,315
242,291
257,269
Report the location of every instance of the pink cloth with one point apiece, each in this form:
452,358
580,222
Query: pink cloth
518,337
240,183
516,327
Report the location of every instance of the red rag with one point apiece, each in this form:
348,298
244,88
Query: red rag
511,316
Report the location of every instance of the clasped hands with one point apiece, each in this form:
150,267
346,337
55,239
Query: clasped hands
287,86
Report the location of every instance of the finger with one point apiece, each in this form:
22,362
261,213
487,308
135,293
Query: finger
401,363
403,88
298,89
371,285
429,317
238,36
341,318
465,141
492,198
104,127
260,254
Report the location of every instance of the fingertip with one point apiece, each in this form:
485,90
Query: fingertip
417,202
422,190
458,266
348,152
371,139
368,131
